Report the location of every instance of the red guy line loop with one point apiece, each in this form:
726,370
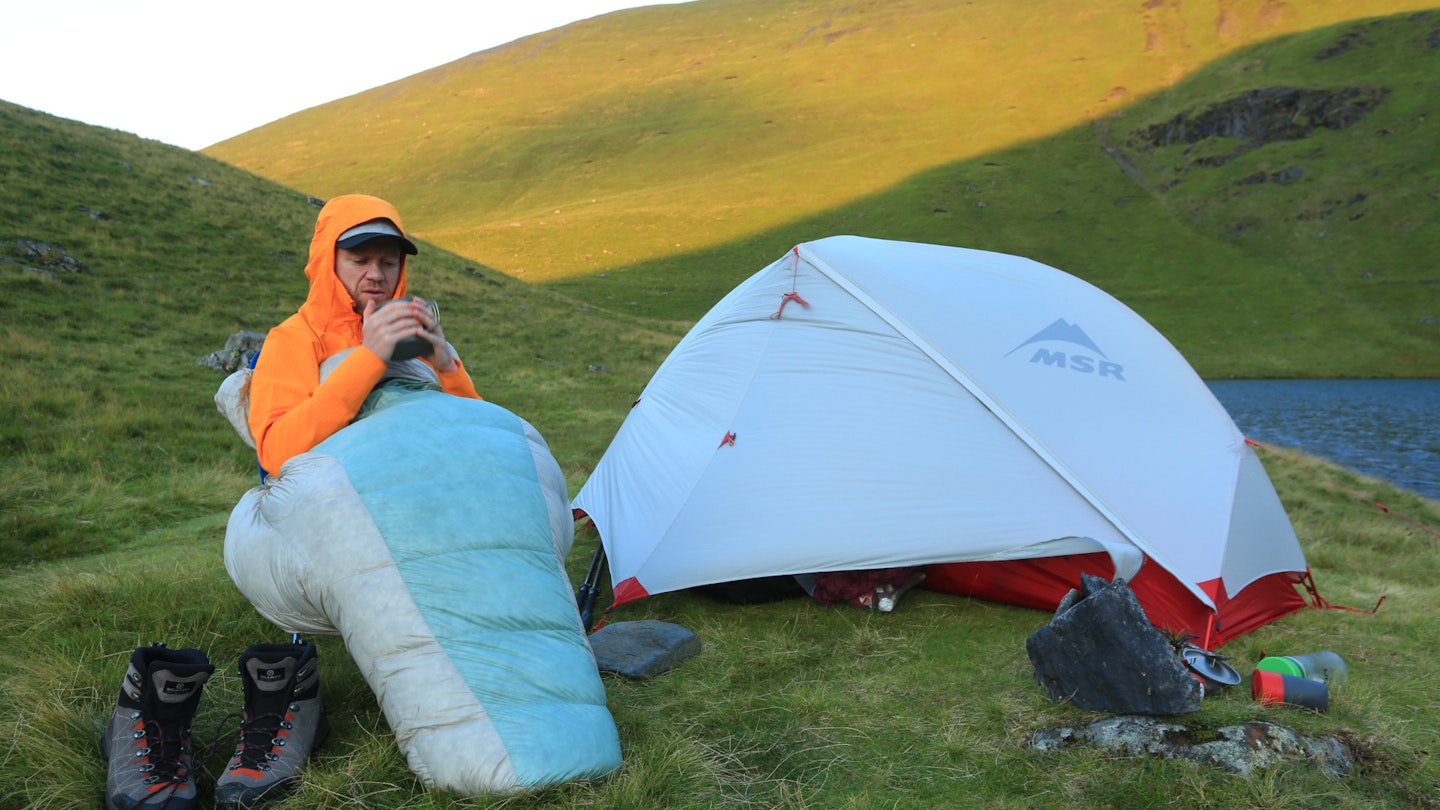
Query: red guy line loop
792,295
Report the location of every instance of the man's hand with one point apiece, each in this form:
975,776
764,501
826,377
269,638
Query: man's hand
386,326
443,359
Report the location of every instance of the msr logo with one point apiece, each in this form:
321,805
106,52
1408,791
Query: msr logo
1091,361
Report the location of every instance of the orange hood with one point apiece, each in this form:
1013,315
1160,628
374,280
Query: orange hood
328,309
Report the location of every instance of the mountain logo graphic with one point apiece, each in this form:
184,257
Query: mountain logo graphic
1090,360
1064,332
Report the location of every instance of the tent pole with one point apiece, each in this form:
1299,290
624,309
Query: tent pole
590,588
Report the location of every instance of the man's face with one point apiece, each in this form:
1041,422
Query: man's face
370,270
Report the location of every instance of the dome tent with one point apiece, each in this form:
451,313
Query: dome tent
863,403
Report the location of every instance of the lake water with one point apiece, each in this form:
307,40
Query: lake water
1388,429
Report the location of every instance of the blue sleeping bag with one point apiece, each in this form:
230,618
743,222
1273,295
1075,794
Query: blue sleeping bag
431,534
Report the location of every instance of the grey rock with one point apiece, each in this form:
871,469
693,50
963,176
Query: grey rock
48,256
1242,750
1102,654
643,648
239,348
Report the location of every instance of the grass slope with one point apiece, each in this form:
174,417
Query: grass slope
647,161
106,418
118,478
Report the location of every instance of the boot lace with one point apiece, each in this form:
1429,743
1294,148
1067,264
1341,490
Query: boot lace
165,767
259,736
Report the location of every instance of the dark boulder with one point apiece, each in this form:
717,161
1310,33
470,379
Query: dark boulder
1100,653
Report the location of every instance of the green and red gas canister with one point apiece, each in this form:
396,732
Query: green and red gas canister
1298,680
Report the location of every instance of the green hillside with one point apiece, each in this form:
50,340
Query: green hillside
125,261
647,161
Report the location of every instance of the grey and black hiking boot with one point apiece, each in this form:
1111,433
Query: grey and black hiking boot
284,722
147,740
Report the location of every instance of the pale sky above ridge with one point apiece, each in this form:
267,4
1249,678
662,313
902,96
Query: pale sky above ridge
192,73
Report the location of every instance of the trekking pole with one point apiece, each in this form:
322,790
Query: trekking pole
590,588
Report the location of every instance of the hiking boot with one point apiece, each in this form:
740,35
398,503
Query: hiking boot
147,740
284,722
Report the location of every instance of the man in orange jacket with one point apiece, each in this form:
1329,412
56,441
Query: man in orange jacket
315,371
357,263
297,400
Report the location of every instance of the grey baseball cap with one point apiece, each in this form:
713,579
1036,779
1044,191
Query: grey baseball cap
369,230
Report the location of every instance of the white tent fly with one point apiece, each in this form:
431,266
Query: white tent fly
863,403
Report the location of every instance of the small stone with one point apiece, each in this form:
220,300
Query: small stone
239,348
643,648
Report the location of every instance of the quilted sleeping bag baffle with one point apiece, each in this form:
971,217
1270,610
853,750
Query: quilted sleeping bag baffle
431,534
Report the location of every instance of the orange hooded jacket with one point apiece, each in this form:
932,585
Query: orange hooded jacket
291,411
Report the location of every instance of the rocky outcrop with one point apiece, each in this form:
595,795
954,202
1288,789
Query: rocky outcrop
44,259
239,348
1241,749
1359,37
1265,115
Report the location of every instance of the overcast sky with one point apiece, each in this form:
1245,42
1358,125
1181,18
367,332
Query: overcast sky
194,72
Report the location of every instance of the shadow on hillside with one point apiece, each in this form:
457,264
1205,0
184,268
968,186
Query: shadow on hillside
1273,193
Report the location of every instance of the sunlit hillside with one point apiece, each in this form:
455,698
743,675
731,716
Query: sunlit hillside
645,162
632,136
